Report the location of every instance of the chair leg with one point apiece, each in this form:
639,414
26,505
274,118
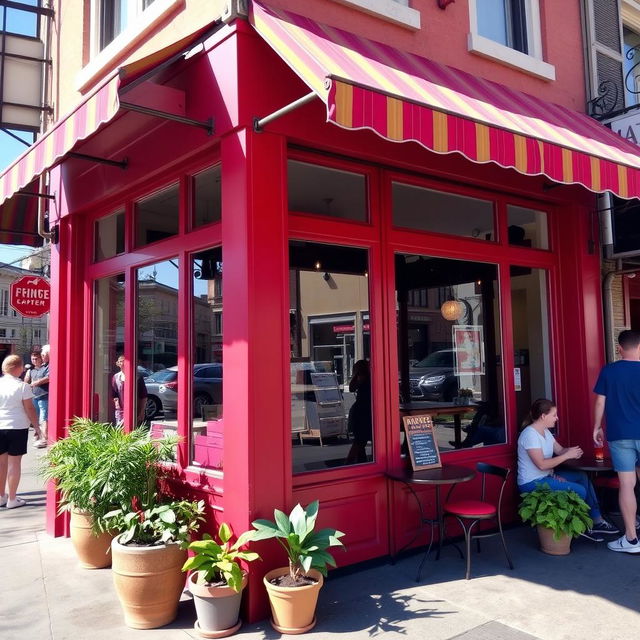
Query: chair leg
426,554
467,538
504,545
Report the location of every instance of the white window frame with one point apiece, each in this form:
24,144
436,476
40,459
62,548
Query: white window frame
531,62
397,11
140,23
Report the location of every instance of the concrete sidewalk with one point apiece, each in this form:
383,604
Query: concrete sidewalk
593,593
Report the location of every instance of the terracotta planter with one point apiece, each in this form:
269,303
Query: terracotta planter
149,582
550,545
94,552
218,608
293,609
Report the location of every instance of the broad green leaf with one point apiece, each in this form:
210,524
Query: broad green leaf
224,532
298,520
282,521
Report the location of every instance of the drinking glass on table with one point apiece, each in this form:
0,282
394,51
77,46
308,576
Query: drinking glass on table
598,451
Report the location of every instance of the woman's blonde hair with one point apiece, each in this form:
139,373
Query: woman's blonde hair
11,363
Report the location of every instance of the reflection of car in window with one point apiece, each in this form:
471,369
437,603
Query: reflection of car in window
152,382
433,377
207,388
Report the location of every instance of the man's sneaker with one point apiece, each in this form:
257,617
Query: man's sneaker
592,535
622,544
605,527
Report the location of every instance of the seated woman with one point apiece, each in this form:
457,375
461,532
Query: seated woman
539,454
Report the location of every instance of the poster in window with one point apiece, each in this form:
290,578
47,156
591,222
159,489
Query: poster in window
469,348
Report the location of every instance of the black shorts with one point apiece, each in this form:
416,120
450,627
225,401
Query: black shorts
14,441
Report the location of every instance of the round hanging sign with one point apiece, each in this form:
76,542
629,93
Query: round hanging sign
30,296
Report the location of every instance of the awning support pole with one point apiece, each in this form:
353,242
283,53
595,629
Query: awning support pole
35,195
207,124
122,164
259,123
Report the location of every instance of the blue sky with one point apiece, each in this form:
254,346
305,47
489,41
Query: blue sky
25,24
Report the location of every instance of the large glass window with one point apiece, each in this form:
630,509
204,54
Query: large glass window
156,394
115,16
448,327
531,345
441,212
108,347
331,412
156,216
207,424
326,191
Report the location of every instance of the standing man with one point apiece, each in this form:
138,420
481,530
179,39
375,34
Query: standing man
38,378
16,414
618,399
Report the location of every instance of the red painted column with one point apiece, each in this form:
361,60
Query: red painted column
66,322
257,459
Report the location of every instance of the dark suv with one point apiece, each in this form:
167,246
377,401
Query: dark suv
207,387
433,377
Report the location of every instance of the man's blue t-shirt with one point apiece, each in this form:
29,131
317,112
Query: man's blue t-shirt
620,383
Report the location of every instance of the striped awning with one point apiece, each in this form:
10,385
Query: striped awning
403,97
18,212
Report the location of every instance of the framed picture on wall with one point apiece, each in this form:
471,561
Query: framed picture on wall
468,342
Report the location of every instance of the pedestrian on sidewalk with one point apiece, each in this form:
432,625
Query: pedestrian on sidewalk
16,414
618,401
38,378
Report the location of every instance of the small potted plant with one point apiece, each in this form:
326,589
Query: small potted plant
558,515
216,581
465,396
148,555
293,590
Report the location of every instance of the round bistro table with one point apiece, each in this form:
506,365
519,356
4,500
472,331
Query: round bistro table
448,474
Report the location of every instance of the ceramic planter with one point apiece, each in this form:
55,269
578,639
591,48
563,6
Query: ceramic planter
93,551
550,545
217,607
149,582
293,609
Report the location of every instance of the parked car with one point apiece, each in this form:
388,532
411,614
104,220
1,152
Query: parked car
433,377
152,382
207,387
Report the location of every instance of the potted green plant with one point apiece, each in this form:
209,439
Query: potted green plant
465,396
293,590
558,515
216,581
98,467
148,555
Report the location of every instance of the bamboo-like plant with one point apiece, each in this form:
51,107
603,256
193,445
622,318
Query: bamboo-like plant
98,467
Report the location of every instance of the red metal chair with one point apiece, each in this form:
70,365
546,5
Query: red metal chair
470,512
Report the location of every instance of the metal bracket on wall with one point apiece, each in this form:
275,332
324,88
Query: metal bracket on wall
122,164
259,123
208,124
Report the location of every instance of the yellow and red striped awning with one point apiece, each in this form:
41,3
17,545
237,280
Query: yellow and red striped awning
404,97
18,212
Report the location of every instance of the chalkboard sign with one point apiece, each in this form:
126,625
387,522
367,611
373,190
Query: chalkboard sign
423,447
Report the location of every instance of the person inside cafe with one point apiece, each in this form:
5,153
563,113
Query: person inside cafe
540,457
118,393
359,419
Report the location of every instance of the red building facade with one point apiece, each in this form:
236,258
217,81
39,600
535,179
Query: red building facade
284,252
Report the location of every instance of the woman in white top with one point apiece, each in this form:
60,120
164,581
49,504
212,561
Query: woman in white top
16,414
539,454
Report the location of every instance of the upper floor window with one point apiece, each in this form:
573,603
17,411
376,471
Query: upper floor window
4,302
509,31
630,60
504,21
115,15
